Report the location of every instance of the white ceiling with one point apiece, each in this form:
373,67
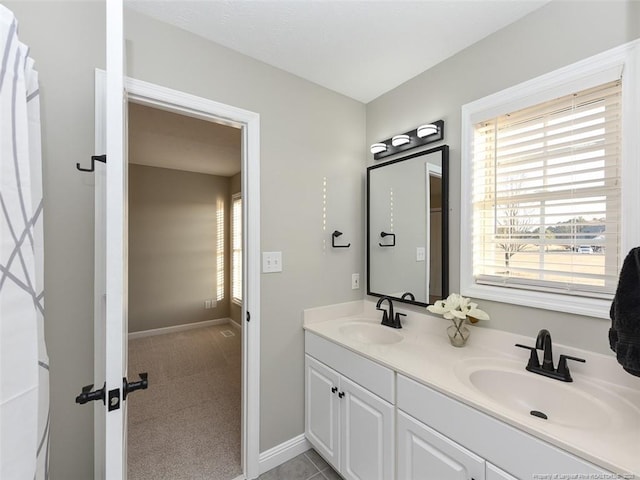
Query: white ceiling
158,138
360,48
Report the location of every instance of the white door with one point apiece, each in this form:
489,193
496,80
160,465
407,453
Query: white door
111,253
322,419
424,454
367,446
115,352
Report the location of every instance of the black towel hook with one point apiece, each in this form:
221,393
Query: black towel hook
334,235
385,234
94,159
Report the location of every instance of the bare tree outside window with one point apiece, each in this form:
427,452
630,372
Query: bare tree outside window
512,228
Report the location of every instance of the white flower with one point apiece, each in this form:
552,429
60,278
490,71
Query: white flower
457,306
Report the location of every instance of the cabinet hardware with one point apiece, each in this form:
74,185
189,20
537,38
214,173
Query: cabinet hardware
334,389
341,394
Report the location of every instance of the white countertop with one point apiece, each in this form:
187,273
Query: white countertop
426,356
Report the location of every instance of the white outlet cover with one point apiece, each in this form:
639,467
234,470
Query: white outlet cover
420,254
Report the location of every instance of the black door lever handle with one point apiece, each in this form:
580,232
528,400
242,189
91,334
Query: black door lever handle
89,396
142,384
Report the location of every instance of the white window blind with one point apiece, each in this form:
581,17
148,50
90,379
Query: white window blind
220,250
546,195
236,233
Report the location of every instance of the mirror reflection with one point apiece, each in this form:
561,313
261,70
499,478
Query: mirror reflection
407,227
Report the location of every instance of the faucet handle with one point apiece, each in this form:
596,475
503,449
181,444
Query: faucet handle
534,362
397,319
563,369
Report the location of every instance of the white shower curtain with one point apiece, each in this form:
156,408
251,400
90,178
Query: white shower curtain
24,366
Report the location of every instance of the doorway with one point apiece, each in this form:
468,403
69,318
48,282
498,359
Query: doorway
184,295
108,429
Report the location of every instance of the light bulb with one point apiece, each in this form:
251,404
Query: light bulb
378,147
399,140
426,130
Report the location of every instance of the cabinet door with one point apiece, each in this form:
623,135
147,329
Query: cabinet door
322,410
424,454
494,473
367,440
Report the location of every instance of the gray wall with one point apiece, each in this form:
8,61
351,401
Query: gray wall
67,41
558,34
307,133
173,246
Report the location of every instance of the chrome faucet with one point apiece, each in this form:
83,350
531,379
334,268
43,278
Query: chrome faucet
543,342
388,318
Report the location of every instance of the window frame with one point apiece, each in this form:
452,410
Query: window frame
622,61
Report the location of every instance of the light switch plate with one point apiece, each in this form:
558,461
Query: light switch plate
271,262
420,254
355,281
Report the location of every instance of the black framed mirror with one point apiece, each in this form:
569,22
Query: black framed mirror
408,227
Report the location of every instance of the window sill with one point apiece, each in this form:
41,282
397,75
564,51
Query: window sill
589,307
236,301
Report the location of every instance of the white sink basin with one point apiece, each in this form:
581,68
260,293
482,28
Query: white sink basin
576,405
370,333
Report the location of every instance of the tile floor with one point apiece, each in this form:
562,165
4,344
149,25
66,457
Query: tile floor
306,466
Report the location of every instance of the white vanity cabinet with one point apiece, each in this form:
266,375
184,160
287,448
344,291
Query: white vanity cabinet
521,455
322,409
424,454
349,425
494,473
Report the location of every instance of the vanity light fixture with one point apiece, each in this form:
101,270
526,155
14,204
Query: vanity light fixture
428,129
378,147
400,140
423,135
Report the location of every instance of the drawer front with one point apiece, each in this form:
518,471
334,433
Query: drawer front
375,378
516,452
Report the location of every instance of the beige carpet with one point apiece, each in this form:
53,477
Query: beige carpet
186,425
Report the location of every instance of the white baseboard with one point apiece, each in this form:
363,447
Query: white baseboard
283,453
179,328
235,324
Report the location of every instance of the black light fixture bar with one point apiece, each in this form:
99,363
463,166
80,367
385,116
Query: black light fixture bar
415,141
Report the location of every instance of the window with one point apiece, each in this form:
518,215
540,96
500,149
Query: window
236,239
220,250
543,168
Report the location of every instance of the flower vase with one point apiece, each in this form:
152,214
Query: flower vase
458,333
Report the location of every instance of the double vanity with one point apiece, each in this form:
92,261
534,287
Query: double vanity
385,403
